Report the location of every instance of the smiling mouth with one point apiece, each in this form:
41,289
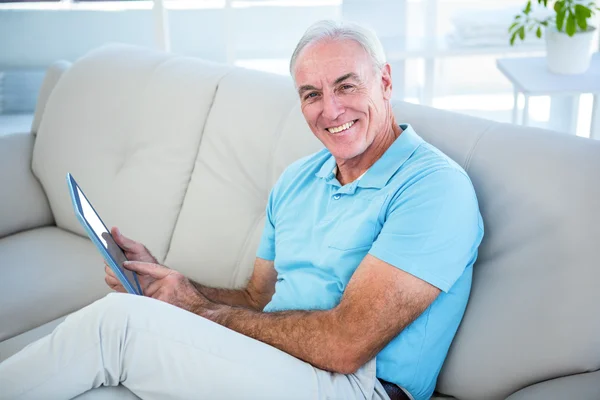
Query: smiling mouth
341,128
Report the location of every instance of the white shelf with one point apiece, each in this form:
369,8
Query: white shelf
402,48
532,77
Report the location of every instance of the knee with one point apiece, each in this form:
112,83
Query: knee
114,301
114,309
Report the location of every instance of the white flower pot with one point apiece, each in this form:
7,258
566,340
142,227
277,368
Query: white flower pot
569,55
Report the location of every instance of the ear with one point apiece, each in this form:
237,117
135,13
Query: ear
386,81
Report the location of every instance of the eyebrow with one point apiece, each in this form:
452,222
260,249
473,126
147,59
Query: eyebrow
344,77
350,75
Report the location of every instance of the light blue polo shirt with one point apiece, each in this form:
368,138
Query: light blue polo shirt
414,208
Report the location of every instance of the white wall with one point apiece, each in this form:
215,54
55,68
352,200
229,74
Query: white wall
35,38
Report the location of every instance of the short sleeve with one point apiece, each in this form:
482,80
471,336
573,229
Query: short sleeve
432,228
266,248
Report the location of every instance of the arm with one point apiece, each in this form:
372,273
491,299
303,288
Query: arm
379,302
254,296
23,203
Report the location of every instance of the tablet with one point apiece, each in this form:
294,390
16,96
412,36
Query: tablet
102,238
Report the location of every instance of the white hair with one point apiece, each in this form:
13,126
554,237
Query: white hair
329,29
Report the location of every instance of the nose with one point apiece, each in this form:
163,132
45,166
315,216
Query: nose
332,108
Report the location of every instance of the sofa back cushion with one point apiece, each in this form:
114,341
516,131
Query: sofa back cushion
532,314
222,216
127,123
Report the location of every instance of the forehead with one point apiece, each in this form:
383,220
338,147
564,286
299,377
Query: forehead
327,60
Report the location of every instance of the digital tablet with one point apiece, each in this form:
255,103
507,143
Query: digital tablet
102,238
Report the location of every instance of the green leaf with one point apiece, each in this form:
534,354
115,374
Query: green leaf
513,37
514,24
560,20
538,33
582,22
571,25
522,33
558,6
527,9
582,11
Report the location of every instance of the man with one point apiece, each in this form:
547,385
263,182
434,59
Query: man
360,282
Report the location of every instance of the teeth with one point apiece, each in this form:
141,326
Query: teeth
340,128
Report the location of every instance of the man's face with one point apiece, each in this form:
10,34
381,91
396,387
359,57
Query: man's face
343,98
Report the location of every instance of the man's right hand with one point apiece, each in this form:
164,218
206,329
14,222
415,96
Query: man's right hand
134,251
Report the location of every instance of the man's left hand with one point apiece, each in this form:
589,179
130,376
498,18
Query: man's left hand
169,286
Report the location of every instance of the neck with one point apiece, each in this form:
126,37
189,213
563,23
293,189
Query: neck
350,170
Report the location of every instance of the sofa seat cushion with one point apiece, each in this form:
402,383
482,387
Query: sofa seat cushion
12,346
108,393
46,273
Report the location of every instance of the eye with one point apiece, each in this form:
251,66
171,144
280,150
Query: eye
311,95
346,87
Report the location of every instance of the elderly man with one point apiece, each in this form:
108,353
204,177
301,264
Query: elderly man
361,278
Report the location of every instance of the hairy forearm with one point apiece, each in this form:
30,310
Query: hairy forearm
313,336
230,297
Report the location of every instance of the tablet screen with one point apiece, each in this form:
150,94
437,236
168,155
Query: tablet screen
104,236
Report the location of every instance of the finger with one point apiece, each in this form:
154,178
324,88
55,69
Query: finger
108,270
124,242
111,281
156,271
114,284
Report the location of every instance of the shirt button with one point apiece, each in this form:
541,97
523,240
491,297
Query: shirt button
336,197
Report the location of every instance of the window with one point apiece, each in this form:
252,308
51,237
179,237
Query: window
442,52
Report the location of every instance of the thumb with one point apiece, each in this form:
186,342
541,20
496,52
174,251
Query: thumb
124,242
156,271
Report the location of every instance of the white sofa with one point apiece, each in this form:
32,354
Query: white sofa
181,155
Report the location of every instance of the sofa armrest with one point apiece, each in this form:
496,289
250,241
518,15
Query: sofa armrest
581,387
23,203
53,74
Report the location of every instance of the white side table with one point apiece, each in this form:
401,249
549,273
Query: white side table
530,76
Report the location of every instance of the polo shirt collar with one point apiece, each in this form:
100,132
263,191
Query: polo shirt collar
326,171
378,175
394,157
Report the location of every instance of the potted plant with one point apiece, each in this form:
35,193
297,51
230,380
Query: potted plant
568,33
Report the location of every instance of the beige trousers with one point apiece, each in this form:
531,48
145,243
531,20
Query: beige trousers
158,351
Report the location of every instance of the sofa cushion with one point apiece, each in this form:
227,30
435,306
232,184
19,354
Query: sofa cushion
108,393
46,273
13,345
530,314
222,216
127,123
581,387
23,204
53,74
